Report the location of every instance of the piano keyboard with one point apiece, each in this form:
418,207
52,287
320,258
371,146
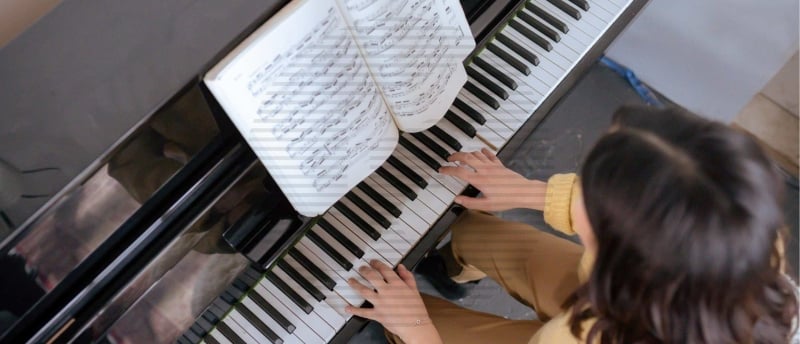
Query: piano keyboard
302,298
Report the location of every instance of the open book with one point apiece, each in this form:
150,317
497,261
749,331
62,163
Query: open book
321,90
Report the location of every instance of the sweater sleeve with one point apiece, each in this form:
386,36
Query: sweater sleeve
557,202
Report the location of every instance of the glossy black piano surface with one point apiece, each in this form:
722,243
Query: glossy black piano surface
172,221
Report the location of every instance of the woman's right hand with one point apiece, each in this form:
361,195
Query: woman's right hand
501,188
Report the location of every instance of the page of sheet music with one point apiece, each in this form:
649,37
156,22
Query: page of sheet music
307,105
415,50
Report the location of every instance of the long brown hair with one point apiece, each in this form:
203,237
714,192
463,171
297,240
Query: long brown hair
686,213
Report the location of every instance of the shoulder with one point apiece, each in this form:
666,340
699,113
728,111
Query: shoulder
557,331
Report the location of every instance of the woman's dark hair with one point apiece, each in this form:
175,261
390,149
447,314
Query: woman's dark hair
687,215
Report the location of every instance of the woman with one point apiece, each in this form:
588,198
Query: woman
679,219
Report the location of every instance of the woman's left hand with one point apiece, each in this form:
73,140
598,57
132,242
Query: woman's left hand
396,303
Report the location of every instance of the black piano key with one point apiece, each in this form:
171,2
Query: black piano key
549,18
446,138
408,172
371,212
488,83
258,324
210,340
229,333
330,251
532,36
432,145
290,293
483,96
405,190
378,198
210,317
539,26
425,158
302,281
566,8
185,340
241,285
358,221
341,238
469,111
519,49
326,280
582,4
272,312
511,60
198,330
461,124
496,73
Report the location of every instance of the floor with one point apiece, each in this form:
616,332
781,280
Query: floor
558,145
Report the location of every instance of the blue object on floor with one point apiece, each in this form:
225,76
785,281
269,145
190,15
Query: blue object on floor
647,95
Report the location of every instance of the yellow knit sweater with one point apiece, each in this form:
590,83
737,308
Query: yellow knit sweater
562,190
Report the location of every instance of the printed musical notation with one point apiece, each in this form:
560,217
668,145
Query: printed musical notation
413,47
319,98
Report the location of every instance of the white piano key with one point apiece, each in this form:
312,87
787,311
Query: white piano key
336,272
585,33
373,249
508,113
302,330
469,144
524,99
447,191
399,225
333,300
245,329
483,132
391,237
324,310
288,338
503,123
575,46
219,337
317,324
495,125
427,195
416,206
453,185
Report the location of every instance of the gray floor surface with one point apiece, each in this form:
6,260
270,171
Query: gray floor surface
558,145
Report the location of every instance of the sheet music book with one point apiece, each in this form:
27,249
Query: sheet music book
322,89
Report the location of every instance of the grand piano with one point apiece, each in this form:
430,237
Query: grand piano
174,231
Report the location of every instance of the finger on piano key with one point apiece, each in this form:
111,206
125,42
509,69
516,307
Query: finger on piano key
416,206
321,308
319,327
